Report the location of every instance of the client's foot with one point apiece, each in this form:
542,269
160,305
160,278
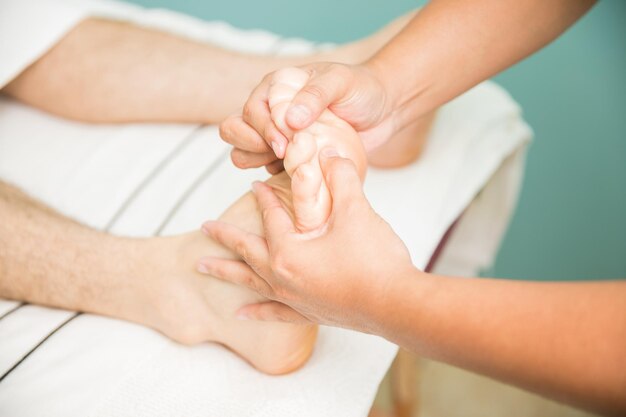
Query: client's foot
310,196
405,146
193,308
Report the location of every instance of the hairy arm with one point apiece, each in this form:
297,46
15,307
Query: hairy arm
48,259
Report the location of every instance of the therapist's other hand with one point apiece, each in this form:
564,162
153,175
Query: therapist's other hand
339,278
352,92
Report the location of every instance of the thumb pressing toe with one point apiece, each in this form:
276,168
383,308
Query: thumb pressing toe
298,116
328,152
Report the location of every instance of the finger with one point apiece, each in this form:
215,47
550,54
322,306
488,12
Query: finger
320,91
275,167
276,220
250,247
236,272
307,202
271,311
242,136
245,159
256,113
342,178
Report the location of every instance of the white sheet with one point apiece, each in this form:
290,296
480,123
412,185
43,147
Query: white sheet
134,178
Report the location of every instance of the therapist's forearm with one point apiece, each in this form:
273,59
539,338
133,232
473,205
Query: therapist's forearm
452,45
566,340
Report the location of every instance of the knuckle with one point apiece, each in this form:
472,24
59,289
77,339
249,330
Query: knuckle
218,234
259,145
248,111
281,266
269,212
249,280
239,159
314,91
241,248
345,166
226,129
342,71
338,167
267,131
219,270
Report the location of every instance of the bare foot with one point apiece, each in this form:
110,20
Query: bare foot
192,308
405,146
311,198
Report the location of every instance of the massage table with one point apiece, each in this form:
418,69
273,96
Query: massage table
157,180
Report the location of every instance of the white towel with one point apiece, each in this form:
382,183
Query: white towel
141,179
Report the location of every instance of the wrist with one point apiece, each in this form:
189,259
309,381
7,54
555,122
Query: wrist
384,76
395,313
408,91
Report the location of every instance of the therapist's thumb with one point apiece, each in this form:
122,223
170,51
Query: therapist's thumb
321,90
342,178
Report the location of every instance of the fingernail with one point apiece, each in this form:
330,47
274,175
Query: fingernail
277,147
202,269
299,114
329,152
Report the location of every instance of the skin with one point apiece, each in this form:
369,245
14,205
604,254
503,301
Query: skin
536,335
48,259
447,48
311,199
152,76
113,72
565,340
140,74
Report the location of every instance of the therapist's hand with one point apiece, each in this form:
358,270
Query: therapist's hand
352,92
339,278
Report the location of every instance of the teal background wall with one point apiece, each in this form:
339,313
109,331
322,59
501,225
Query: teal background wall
571,220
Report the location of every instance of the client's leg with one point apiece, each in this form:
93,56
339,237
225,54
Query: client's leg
273,348
193,308
48,259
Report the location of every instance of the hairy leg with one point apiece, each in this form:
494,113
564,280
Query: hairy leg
109,71
48,259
